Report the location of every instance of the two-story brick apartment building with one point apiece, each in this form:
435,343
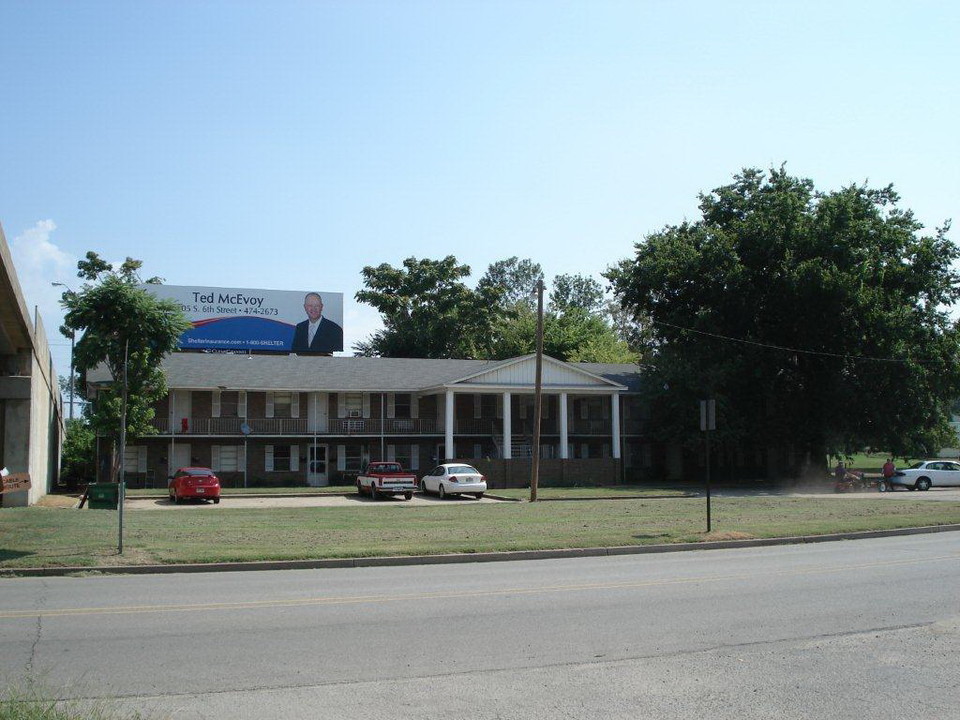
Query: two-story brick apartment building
315,420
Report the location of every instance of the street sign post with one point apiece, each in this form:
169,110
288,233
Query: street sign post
708,423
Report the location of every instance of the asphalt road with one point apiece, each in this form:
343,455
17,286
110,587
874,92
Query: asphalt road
855,629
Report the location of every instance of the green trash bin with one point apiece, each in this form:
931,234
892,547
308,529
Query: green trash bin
103,496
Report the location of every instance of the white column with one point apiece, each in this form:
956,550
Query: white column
507,428
564,443
615,422
448,425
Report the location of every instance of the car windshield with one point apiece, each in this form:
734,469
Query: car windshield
390,468
197,472
462,469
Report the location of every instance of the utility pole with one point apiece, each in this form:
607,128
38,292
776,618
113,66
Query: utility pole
121,485
538,398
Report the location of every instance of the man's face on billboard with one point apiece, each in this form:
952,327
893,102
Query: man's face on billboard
313,306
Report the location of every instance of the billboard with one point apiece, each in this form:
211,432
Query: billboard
242,319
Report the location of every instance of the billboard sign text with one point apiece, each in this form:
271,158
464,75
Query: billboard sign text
244,319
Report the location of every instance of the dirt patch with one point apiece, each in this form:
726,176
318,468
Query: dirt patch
59,501
732,535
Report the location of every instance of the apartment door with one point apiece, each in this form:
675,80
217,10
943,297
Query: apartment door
317,466
317,412
180,457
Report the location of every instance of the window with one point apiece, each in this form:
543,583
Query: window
401,405
402,454
229,404
281,404
353,458
282,458
353,405
350,458
227,458
135,459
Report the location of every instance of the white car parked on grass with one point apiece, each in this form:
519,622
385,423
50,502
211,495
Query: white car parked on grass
927,474
454,479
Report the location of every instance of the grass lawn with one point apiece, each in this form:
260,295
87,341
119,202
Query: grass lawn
873,463
54,537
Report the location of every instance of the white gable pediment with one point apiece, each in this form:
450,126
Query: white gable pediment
521,373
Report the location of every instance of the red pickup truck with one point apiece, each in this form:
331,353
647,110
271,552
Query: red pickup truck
386,478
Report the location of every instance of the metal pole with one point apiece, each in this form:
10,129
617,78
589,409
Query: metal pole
121,487
72,381
708,423
73,335
709,525
538,398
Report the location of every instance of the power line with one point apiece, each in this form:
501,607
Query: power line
782,348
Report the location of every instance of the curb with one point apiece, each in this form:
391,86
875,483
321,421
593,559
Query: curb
466,557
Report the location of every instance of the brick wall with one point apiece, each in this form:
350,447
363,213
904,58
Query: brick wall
553,473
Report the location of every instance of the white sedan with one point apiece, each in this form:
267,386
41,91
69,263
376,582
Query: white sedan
454,479
927,474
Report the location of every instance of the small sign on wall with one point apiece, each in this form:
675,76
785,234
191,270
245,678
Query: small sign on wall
12,482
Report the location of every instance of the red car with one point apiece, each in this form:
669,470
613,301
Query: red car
194,482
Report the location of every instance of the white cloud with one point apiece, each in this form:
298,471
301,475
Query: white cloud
39,262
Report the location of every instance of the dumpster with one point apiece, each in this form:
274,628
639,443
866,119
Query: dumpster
103,496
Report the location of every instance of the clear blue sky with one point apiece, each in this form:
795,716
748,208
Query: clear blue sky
286,145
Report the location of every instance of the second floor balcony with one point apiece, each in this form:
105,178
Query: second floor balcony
281,427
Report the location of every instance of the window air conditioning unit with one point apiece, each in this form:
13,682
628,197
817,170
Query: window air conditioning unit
354,413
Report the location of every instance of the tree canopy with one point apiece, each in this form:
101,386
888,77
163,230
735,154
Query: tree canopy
517,280
427,310
121,324
817,319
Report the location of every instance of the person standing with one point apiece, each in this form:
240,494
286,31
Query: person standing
316,334
888,469
840,471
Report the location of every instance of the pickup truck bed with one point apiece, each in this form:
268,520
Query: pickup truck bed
386,478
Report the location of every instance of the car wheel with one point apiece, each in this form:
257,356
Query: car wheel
216,501
882,486
923,484
423,486
177,499
408,495
478,496
442,493
374,495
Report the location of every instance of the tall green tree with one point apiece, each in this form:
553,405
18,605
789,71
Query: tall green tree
575,325
124,328
817,319
517,279
576,292
574,336
428,311
78,456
